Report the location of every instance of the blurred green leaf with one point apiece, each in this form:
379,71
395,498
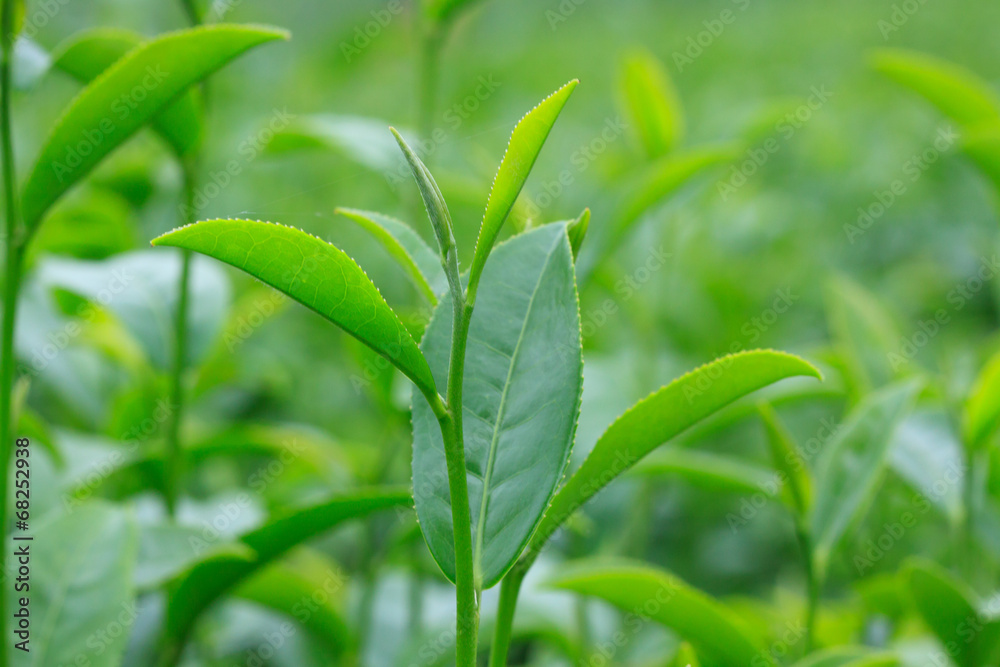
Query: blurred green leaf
982,408
954,614
316,274
444,10
523,378
363,140
216,575
81,588
662,415
787,459
705,469
848,656
983,147
652,104
852,464
93,224
88,54
716,632
525,144
955,91
127,96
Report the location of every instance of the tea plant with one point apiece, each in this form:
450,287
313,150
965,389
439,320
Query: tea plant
510,369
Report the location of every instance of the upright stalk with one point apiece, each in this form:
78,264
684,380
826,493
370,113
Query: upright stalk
813,582
503,629
12,279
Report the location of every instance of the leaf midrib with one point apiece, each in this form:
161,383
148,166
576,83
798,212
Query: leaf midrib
488,476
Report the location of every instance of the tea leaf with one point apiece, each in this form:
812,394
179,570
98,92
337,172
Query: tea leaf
123,99
652,104
788,460
662,415
316,274
954,614
713,471
850,467
306,590
444,10
81,580
982,409
525,144
849,656
523,375
213,577
717,633
430,193
86,55
363,140
955,91
421,263
577,231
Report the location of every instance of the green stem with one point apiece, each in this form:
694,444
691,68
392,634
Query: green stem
11,287
504,628
813,582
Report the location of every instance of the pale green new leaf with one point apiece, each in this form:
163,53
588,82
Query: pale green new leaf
109,111
309,590
86,55
662,415
316,274
430,193
652,104
577,231
787,459
81,573
523,378
213,577
718,635
705,469
851,465
525,144
849,656
421,263
982,409
954,614
955,91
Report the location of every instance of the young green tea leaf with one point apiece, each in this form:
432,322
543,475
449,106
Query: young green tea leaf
705,469
89,53
213,577
430,193
652,104
954,614
309,590
123,99
81,573
421,263
577,231
788,460
982,409
662,415
849,656
850,467
717,633
523,375
316,274
525,144
955,91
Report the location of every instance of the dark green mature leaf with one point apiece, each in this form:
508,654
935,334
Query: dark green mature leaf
316,274
523,377
788,460
81,572
124,98
86,55
954,614
849,656
213,577
309,590
652,104
713,471
850,467
525,144
421,263
717,633
955,91
662,415
982,409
